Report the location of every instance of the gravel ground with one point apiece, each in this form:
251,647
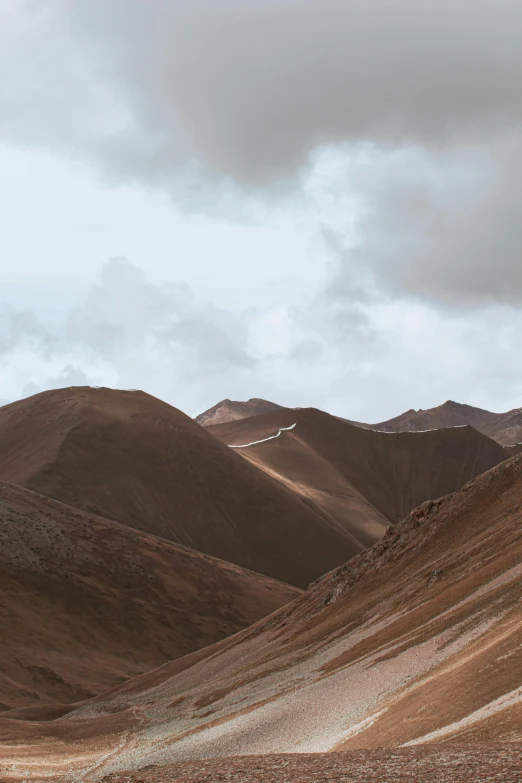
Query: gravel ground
500,763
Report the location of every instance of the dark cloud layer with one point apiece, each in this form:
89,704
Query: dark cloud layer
248,90
244,93
444,227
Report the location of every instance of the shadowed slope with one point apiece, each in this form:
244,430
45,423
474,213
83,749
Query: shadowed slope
130,457
505,428
233,410
361,479
86,603
416,640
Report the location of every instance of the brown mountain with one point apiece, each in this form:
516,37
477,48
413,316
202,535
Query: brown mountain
416,641
505,428
86,603
232,410
361,479
129,457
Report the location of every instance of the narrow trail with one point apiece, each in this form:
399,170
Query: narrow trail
264,440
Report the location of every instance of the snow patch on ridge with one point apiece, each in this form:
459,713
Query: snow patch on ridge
264,440
409,432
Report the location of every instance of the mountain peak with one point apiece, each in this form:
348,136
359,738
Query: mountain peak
233,410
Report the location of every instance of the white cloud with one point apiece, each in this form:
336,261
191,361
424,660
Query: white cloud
131,333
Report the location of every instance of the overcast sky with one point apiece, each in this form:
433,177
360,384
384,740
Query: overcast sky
310,201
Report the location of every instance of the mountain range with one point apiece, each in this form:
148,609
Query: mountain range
505,428
152,614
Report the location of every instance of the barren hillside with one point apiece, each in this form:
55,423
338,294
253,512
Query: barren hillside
128,456
87,603
416,641
362,480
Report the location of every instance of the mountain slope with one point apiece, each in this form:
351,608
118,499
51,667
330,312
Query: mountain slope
233,410
128,456
361,479
86,603
505,428
416,640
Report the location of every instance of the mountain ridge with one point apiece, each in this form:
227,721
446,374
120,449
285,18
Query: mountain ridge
362,479
505,428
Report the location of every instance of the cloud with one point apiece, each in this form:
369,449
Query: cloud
70,376
395,126
21,327
367,361
246,91
126,315
128,333
421,102
442,226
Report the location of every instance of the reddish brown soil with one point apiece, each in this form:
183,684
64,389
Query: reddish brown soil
416,640
232,410
505,428
362,480
130,457
86,603
485,764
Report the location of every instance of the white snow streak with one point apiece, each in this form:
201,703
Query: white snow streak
271,437
407,432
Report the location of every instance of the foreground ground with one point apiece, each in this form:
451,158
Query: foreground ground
423,764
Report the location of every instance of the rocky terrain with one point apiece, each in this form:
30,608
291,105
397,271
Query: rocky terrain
486,764
233,410
129,656
415,642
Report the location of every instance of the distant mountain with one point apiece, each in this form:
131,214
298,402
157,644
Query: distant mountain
232,410
362,480
86,602
130,457
505,428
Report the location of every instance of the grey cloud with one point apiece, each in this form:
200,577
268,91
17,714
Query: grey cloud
129,332
126,314
367,362
247,91
71,376
421,100
444,226
21,328
213,347
209,98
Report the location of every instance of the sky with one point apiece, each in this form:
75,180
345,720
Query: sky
314,202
